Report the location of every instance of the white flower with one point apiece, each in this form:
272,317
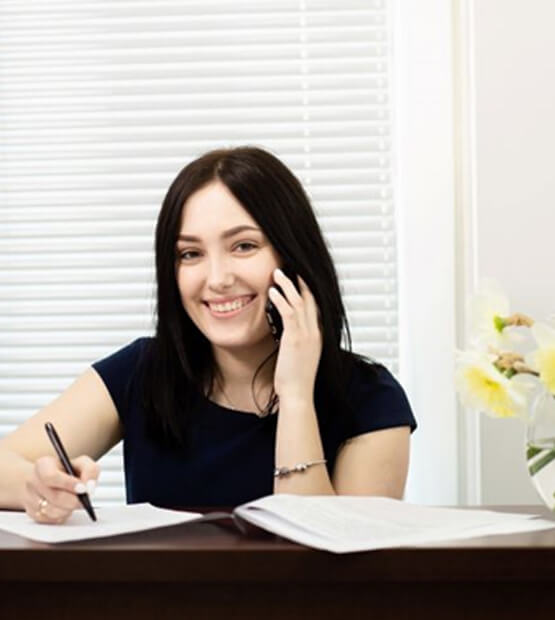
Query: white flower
542,360
484,388
488,309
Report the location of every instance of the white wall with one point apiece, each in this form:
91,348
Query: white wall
514,119
425,209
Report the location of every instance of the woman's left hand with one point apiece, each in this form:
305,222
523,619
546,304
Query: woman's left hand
300,345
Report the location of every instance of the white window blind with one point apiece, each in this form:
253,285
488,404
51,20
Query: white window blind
102,103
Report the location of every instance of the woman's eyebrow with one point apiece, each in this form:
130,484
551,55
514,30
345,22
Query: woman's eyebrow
227,233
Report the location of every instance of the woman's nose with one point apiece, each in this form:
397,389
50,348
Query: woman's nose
219,275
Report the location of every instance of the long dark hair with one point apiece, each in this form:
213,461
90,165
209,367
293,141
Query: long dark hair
179,359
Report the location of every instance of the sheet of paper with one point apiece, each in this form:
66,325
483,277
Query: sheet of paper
355,523
111,520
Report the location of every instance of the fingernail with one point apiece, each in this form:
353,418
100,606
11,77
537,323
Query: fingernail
80,488
91,486
278,272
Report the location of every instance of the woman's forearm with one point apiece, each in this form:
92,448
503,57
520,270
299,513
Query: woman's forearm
14,471
298,441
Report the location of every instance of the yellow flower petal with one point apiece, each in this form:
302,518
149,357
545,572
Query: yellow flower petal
482,387
542,360
545,361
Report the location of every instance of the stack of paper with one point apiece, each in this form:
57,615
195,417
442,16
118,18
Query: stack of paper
345,523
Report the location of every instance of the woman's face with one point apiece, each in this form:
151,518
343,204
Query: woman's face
224,268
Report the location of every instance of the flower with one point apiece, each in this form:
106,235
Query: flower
482,386
488,309
510,382
542,359
500,380
490,315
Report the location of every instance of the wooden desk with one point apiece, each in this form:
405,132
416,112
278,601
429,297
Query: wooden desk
208,570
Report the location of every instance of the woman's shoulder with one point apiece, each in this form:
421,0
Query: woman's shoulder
377,398
120,372
374,376
124,359
364,372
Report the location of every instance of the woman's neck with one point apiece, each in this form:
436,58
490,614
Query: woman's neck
235,370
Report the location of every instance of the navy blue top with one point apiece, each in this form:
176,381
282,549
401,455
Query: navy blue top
234,455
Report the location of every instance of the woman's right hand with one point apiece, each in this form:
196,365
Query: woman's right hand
50,494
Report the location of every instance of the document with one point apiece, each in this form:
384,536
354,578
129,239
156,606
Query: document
339,524
111,520
343,524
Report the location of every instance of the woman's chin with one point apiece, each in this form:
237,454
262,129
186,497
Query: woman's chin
237,343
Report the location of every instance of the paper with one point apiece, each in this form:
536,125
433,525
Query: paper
111,520
356,523
340,524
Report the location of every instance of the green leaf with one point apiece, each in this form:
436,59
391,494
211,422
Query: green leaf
541,463
531,452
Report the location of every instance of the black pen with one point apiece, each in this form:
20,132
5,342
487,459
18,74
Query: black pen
62,455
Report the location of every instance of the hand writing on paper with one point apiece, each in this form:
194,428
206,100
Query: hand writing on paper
50,494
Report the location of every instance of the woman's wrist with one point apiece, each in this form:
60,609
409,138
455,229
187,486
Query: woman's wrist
296,402
16,470
25,468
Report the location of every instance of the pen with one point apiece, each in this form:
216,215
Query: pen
62,455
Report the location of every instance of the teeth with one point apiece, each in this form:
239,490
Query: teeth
229,306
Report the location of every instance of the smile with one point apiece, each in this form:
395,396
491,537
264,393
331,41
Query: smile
229,309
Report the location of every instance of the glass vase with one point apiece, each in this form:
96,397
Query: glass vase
540,447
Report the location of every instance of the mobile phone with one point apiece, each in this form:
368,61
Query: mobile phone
272,313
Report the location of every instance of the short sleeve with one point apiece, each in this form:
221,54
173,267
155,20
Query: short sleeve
118,370
378,400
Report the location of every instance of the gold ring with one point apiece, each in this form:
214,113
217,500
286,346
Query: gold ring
43,504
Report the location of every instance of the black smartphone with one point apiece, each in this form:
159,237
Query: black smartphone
272,313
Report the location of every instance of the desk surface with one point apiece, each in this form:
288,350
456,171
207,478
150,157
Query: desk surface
219,553
209,571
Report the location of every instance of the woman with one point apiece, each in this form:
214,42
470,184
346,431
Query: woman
216,409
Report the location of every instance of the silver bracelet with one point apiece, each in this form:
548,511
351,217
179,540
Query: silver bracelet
285,471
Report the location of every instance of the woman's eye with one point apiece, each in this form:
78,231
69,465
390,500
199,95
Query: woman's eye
188,255
246,245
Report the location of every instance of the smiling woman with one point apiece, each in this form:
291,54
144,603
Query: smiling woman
224,272
214,410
